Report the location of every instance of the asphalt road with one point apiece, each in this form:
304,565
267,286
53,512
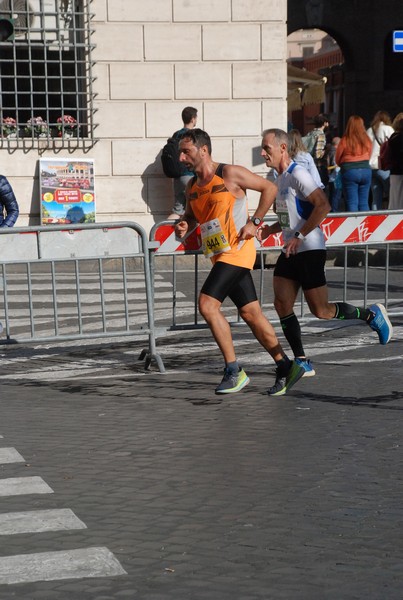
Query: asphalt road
163,490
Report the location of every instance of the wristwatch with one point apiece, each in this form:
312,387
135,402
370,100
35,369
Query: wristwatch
256,221
299,235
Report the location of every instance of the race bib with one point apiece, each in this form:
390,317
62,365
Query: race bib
282,213
213,239
283,219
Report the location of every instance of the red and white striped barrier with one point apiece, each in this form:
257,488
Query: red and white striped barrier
338,230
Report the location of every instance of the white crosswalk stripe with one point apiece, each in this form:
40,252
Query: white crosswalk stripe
37,521
58,364
10,455
19,486
48,566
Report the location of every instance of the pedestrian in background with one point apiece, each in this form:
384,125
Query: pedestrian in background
334,186
189,118
301,156
352,155
380,130
315,143
9,209
395,144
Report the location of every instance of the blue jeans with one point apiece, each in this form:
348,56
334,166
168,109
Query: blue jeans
356,184
380,186
334,195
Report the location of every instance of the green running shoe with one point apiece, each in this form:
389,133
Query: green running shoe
285,383
232,382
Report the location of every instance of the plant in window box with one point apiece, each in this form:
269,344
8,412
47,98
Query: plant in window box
9,127
37,127
67,126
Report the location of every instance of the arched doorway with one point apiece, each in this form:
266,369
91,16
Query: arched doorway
364,36
317,55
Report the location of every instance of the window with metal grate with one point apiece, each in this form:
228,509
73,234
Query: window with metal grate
46,77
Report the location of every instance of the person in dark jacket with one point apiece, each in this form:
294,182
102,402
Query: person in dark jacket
9,209
395,144
189,118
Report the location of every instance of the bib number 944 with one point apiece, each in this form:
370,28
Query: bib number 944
213,239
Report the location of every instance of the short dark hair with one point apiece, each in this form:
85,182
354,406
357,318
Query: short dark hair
188,114
198,137
321,119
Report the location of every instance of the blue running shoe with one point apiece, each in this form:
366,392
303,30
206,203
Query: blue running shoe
306,364
380,323
232,382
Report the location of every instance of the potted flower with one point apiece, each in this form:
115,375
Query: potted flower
67,126
37,127
9,127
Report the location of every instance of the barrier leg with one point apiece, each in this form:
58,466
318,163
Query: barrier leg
148,356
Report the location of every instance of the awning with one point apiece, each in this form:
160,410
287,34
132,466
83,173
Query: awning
304,87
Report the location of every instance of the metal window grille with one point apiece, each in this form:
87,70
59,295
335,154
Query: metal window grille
46,81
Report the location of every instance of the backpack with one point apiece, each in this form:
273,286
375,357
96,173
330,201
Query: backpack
310,140
170,158
385,162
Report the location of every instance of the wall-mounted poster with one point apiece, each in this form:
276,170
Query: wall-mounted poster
67,190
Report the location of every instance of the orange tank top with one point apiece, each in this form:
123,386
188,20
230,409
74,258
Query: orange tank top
221,216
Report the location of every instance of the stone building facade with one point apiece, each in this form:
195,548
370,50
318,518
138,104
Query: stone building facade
150,60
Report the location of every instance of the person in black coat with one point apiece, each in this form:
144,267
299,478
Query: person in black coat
9,209
395,152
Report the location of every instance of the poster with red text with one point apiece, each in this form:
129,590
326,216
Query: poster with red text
67,190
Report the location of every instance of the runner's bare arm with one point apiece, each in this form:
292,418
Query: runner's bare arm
186,222
265,230
241,179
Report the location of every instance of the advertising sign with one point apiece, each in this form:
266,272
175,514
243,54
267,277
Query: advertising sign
67,190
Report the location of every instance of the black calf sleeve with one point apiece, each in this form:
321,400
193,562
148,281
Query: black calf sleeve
292,332
348,311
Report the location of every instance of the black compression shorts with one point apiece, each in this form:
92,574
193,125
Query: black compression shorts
307,268
227,280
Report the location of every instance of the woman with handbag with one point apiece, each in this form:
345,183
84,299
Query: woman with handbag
379,131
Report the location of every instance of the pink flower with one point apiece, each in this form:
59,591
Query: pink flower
37,127
66,122
9,125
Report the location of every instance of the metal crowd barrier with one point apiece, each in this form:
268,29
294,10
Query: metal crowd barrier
344,232
71,282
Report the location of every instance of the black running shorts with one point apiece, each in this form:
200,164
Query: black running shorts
307,268
227,280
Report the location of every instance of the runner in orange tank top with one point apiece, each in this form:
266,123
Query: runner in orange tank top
221,219
216,199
